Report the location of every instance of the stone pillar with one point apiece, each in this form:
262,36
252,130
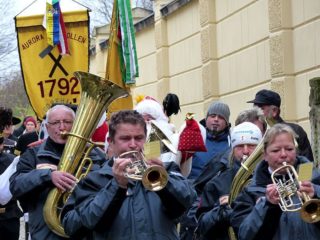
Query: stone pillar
162,51
281,59
314,115
209,56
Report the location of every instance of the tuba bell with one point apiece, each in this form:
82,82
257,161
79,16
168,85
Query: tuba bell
97,94
290,199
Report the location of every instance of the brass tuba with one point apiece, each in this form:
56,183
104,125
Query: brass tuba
244,174
290,200
97,94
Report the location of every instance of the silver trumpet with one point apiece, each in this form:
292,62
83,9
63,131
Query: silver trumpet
291,199
154,178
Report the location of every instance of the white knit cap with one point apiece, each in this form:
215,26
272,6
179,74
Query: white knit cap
245,133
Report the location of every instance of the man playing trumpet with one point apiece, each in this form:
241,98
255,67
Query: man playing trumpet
108,205
257,213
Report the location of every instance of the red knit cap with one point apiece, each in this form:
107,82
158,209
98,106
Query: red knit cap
30,119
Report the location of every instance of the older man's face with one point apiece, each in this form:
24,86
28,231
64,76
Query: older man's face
243,151
59,120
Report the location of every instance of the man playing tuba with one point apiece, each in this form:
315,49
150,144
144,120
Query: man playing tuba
37,172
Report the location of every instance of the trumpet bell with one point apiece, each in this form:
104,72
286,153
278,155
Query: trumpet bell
155,178
310,211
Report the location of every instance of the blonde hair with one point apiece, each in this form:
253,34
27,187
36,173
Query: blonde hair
275,131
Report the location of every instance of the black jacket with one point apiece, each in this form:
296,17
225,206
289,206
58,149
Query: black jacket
99,208
304,147
214,218
211,169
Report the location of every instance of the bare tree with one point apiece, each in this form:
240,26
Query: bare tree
147,4
13,95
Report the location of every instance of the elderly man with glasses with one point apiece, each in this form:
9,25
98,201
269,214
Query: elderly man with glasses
37,172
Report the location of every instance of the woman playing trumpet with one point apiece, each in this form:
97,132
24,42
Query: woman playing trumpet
256,212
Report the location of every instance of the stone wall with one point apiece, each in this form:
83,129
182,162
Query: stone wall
204,50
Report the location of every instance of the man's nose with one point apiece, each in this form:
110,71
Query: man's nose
245,149
132,143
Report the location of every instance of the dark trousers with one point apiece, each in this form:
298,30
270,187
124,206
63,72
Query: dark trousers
9,229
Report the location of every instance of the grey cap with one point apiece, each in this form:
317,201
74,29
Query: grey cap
219,108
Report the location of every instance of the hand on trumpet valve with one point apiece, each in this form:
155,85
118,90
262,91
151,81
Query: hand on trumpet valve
306,187
63,181
272,194
119,168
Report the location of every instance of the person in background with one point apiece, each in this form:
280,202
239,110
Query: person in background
107,205
151,110
270,101
30,124
30,135
256,211
18,131
10,141
171,104
10,213
217,137
214,210
215,167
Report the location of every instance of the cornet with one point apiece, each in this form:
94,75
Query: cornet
290,199
154,178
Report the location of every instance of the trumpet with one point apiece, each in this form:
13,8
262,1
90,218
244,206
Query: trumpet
290,199
154,178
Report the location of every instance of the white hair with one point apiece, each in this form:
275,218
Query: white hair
49,112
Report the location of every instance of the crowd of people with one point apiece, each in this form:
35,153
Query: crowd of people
200,160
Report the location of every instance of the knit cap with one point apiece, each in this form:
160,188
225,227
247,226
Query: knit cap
245,133
219,108
30,119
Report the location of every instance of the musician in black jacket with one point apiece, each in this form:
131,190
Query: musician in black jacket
10,213
256,211
37,172
270,101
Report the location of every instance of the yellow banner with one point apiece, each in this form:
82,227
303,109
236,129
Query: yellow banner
48,76
113,69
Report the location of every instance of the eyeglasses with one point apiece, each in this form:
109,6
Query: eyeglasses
59,122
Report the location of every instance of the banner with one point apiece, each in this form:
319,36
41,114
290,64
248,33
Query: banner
122,63
48,76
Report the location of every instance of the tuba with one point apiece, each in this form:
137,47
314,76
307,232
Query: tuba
290,200
243,176
97,94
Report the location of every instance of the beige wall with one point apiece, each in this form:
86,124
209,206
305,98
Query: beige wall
228,50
